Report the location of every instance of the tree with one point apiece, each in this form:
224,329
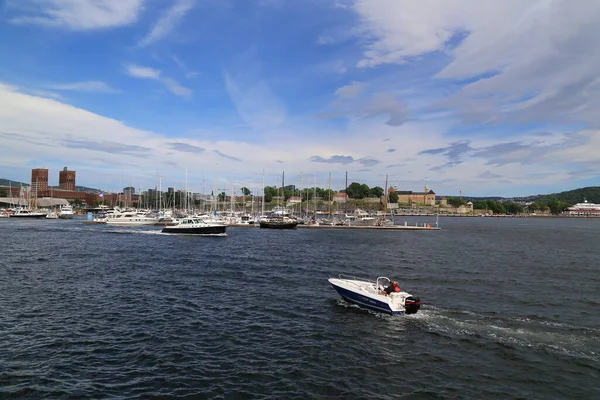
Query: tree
358,191
246,191
557,206
221,196
270,192
455,201
513,208
376,191
76,202
393,197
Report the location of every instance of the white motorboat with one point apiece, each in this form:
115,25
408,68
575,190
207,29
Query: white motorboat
196,226
26,213
371,295
360,218
130,218
66,212
52,215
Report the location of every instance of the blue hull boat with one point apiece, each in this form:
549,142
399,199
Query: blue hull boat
371,295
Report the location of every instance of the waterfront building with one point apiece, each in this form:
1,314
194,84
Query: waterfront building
66,179
340,197
584,209
39,180
426,197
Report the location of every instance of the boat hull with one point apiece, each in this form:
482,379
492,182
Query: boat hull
130,223
365,301
276,225
203,230
28,216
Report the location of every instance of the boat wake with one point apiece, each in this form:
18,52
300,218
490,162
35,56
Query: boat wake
133,231
531,332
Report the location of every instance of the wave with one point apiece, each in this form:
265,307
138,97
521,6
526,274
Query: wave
531,332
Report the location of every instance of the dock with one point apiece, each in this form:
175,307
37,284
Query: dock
389,228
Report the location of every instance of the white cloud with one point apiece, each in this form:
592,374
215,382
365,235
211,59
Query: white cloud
143,72
88,86
350,91
150,73
531,61
37,130
175,88
75,14
167,21
255,102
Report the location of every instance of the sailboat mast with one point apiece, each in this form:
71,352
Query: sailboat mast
262,211
300,193
329,194
386,197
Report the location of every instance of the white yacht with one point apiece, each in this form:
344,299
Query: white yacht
360,218
130,218
66,212
26,213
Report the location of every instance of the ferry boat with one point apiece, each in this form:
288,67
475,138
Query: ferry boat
584,209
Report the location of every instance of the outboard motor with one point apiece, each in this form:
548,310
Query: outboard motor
412,305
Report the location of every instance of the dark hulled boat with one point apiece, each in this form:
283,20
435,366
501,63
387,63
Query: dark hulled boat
276,222
196,226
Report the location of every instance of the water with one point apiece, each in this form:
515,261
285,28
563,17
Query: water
511,310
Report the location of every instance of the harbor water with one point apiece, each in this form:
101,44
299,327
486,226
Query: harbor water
511,309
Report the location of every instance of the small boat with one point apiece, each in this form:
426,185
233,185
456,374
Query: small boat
26,213
368,294
196,226
276,222
66,212
52,215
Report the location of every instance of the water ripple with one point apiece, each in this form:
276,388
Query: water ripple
101,312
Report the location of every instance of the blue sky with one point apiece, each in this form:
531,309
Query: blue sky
478,97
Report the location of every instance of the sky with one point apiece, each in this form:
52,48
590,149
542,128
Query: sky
465,96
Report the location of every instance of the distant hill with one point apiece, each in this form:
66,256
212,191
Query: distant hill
8,182
474,198
591,194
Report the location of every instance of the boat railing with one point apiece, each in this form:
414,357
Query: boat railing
353,278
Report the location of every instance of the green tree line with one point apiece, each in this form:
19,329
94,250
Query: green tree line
571,197
555,207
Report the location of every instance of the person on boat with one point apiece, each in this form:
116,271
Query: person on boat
391,287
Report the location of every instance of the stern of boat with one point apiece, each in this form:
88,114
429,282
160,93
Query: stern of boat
412,304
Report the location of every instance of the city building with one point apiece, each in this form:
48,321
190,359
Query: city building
39,180
426,197
66,179
340,197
